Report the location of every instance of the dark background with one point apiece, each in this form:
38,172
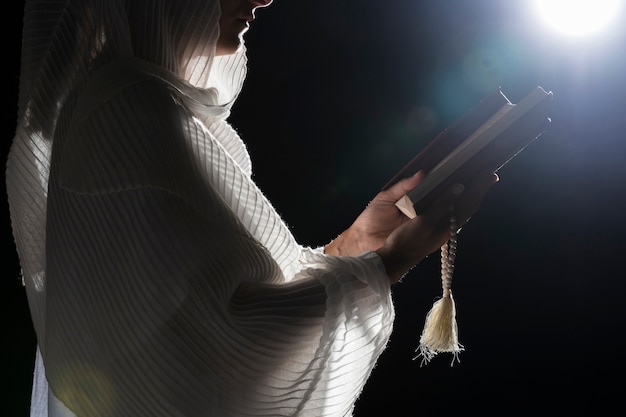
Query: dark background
340,95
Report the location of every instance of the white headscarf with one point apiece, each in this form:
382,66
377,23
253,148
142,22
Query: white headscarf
65,42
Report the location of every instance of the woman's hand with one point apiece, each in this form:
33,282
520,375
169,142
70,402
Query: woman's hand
381,217
402,242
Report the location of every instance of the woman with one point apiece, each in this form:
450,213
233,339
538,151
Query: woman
160,280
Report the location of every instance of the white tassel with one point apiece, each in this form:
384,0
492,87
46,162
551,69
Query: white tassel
440,332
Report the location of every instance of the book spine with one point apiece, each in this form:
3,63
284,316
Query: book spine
495,155
446,141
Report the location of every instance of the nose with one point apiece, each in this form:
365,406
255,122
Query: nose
260,3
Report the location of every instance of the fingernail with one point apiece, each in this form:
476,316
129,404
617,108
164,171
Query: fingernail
457,189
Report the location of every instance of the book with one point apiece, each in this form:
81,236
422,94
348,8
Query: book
488,136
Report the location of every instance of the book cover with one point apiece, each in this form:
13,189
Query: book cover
485,138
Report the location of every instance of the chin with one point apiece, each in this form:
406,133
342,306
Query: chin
228,47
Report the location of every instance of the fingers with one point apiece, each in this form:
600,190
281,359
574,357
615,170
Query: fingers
437,214
473,196
400,188
415,239
464,200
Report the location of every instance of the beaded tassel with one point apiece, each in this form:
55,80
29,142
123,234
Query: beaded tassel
440,332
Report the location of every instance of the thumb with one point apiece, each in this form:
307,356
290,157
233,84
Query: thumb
399,189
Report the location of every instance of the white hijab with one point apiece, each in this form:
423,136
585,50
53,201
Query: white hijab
64,43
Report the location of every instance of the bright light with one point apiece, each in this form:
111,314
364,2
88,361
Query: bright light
578,17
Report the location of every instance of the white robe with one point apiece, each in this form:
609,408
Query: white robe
172,286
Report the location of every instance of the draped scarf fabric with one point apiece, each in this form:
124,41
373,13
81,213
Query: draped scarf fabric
159,278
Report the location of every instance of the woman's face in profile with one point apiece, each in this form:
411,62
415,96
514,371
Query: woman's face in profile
235,21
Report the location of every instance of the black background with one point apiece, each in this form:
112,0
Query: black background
340,94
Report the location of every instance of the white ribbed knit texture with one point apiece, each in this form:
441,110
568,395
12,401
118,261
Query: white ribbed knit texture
160,280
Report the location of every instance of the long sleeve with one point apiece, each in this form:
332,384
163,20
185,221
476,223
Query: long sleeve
174,288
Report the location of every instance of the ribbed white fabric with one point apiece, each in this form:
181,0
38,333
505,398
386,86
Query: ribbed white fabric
160,280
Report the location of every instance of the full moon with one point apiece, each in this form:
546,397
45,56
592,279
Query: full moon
578,17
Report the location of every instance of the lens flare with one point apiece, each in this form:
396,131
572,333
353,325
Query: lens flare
578,17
